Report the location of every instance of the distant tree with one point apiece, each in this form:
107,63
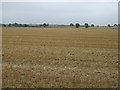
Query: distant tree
115,25
20,25
10,25
86,25
44,25
108,25
3,25
77,25
118,25
92,25
15,24
40,25
71,24
25,25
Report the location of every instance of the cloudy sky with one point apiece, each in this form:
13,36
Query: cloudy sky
98,13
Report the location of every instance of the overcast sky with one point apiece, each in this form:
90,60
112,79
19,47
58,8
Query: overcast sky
98,13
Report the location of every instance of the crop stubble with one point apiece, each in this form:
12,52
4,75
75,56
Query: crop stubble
59,57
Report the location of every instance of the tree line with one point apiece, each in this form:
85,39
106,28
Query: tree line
86,25
23,25
77,25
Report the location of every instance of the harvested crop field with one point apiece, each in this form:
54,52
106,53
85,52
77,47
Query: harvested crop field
59,57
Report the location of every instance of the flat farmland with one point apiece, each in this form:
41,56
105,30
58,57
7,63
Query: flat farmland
59,57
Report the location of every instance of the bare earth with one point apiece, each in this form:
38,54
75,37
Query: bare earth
60,58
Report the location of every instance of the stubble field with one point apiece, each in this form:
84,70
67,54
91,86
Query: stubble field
59,58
